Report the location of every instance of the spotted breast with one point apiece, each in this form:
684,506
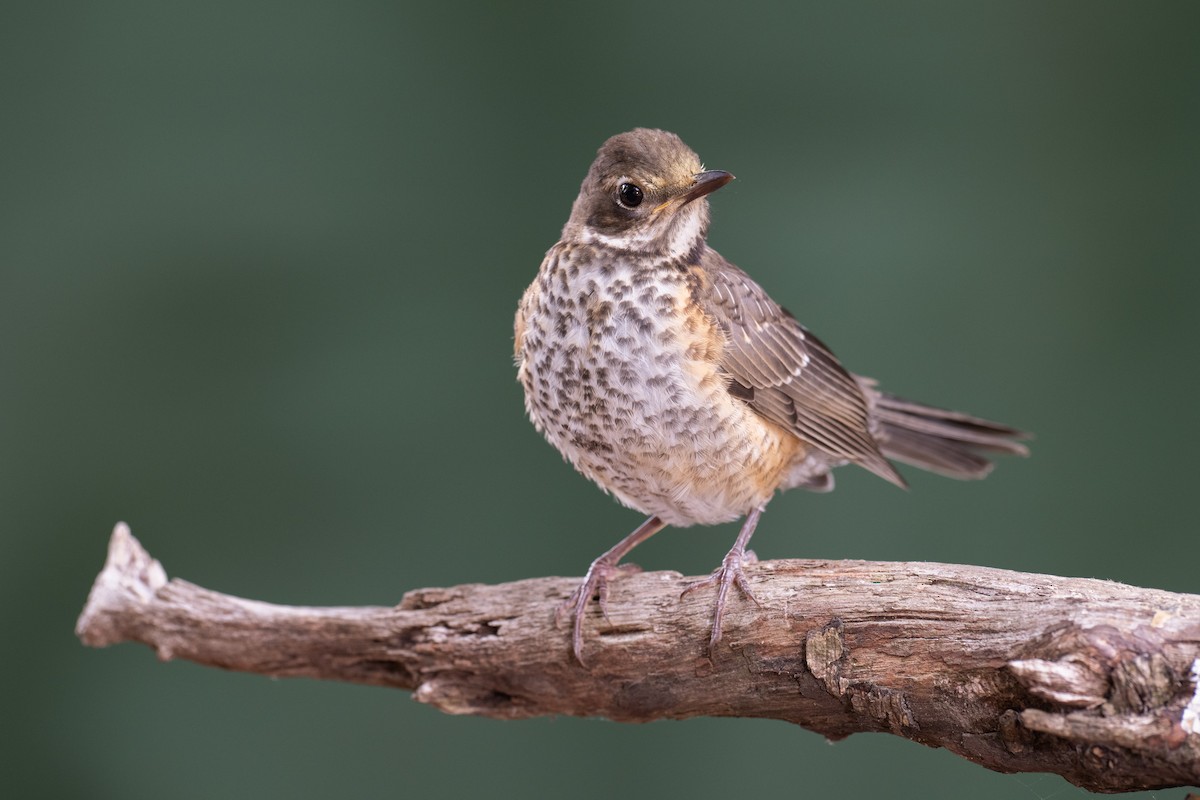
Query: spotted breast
620,368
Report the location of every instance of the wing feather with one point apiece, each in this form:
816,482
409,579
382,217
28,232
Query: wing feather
793,379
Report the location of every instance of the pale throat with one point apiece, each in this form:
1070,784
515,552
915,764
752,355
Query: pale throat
688,230
683,231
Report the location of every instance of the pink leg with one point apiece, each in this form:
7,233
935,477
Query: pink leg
730,573
596,581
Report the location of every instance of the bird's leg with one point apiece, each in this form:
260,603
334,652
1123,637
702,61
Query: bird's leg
729,573
596,581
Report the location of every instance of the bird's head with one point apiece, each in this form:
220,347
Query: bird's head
645,192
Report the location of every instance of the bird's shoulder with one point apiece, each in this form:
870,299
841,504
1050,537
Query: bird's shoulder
782,370
765,342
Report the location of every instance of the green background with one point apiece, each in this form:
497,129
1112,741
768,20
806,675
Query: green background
258,266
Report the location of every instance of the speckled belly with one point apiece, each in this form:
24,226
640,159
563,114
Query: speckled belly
620,374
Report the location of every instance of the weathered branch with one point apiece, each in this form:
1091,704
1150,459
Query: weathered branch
1093,680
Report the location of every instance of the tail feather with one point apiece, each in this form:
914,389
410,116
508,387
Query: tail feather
946,442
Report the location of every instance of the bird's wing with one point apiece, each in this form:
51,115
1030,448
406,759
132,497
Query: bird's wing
785,373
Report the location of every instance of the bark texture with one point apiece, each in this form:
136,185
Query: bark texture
1093,680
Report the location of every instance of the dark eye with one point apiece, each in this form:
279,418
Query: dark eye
630,195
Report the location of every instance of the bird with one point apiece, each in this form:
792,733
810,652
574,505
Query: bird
670,378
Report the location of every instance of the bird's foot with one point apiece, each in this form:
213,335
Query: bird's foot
594,584
730,573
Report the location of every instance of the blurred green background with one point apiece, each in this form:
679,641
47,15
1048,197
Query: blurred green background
258,266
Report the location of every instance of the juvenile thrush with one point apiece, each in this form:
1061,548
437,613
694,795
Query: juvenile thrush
666,375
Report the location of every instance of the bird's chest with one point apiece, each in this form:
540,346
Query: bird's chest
619,366
613,354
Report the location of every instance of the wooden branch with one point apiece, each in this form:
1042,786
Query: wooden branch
1093,680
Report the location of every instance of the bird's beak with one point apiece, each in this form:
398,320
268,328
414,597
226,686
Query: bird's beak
704,183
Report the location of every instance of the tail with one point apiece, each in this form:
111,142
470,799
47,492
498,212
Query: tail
941,441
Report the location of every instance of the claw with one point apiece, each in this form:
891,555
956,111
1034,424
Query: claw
730,573
595,583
